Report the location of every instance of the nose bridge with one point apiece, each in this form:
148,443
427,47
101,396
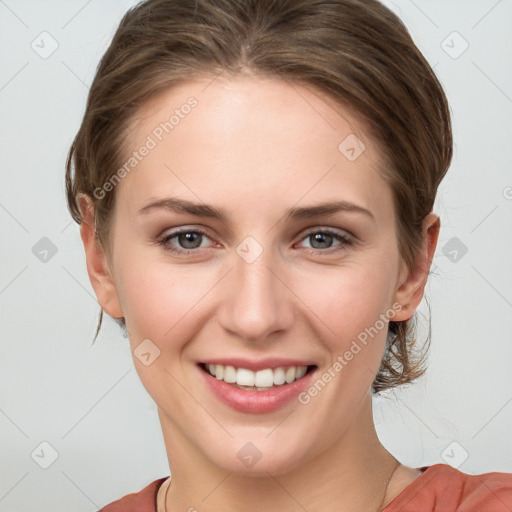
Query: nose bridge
256,302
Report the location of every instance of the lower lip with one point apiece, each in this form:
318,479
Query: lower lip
256,402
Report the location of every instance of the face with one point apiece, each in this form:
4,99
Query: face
223,260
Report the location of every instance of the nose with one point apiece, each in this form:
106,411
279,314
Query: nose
257,301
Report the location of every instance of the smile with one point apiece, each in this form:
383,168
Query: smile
261,380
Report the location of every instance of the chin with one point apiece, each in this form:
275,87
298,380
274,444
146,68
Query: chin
257,459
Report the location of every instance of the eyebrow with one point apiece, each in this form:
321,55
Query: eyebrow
296,213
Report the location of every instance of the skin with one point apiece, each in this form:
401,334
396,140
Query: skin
256,147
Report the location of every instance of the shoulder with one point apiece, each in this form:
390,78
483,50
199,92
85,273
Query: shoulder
443,488
143,501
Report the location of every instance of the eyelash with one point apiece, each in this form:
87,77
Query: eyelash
343,239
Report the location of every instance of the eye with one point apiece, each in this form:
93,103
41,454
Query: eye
322,240
186,240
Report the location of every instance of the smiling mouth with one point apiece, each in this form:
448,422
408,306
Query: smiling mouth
261,380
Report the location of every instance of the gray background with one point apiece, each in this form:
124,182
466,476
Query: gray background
85,403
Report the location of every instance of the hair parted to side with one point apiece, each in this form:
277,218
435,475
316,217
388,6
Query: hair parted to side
356,51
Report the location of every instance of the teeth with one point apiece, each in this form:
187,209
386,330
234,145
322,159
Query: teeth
245,377
290,374
264,378
279,376
260,380
230,374
301,371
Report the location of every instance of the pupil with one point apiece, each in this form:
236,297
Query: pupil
189,240
324,239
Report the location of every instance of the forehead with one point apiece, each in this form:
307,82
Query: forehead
248,140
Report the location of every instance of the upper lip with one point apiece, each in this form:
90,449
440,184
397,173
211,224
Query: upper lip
262,364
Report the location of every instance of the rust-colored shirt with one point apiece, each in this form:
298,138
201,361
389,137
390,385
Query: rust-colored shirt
440,488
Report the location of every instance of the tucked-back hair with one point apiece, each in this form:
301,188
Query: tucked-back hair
357,51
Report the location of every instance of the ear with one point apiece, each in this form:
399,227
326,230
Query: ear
97,261
410,291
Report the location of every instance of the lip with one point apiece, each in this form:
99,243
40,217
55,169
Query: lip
262,364
255,402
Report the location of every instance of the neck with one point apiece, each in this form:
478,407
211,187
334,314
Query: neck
351,474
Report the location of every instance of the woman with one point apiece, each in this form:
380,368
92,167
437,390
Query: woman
254,182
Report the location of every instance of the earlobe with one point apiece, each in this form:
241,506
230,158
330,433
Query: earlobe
410,291
97,261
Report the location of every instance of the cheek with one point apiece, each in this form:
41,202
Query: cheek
161,303
348,299
349,304
157,299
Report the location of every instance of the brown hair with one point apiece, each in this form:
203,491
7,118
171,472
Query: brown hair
357,51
